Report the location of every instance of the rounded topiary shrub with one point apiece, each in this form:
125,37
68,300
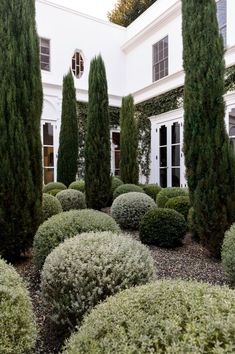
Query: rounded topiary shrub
50,206
116,182
129,208
166,193
152,190
85,270
164,317
228,254
54,192
163,227
17,321
66,225
126,188
53,185
78,185
71,199
180,204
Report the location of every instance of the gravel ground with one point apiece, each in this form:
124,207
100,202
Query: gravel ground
190,261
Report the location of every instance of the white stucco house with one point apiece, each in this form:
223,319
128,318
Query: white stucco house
144,59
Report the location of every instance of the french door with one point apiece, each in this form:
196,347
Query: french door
48,151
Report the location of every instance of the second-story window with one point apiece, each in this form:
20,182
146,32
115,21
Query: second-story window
160,59
77,64
45,54
222,18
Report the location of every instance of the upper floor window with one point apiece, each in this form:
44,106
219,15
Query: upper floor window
222,18
77,64
160,59
45,54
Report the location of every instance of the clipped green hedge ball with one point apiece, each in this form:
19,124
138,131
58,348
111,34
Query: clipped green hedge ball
228,254
50,206
126,188
53,185
152,190
71,199
166,193
180,204
78,185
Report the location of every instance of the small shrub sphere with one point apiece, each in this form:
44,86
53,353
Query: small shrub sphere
50,206
66,225
129,208
180,204
126,188
53,192
116,182
166,193
163,228
17,321
53,185
164,317
78,185
152,190
71,199
85,270
228,254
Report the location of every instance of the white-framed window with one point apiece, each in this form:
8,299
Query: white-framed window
77,64
222,18
232,128
45,53
160,59
48,152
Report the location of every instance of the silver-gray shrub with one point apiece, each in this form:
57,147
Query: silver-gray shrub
71,199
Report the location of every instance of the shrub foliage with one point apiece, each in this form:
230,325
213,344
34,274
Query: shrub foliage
228,254
53,185
50,206
180,204
152,190
126,188
166,193
71,199
78,185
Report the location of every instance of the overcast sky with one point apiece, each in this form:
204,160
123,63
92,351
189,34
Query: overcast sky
97,8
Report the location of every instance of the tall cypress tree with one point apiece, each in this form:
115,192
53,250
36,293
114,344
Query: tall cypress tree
68,145
208,155
20,112
97,145
129,142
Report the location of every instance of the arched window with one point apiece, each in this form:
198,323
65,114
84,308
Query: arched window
77,64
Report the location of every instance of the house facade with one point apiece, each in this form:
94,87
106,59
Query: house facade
144,59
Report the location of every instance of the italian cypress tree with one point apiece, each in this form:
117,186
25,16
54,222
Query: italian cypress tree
68,144
129,142
208,155
20,112
97,144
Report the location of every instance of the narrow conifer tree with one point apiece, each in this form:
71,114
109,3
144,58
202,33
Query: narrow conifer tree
208,155
97,144
20,113
68,144
128,142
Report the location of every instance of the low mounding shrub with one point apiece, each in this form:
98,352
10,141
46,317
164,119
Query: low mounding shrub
163,227
78,185
17,321
152,190
116,182
53,185
228,254
85,270
129,208
126,188
50,206
166,193
180,204
71,199
66,225
53,192
163,317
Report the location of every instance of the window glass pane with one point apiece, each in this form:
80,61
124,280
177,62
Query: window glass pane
176,155
163,177
47,134
175,177
77,65
45,54
163,156
175,133
160,59
163,135
232,131
222,18
48,153
48,175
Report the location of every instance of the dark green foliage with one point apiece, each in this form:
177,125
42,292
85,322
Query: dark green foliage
126,188
71,199
180,204
68,145
116,182
228,254
53,192
20,113
129,169
78,185
97,146
162,227
152,190
53,185
50,206
166,193
209,159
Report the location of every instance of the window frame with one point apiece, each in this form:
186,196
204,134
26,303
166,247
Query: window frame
48,55
76,65
164,60
224,26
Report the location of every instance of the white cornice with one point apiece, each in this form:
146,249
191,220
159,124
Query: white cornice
168,116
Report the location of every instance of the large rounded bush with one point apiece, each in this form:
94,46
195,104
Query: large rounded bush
66,225
162,317
71,199
78,185
152,190
228,254
166,193
86,269
53,185
50,206
17,321
180,204
129,208
126,188
163,227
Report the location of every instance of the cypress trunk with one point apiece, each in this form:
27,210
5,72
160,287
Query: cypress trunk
209,157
